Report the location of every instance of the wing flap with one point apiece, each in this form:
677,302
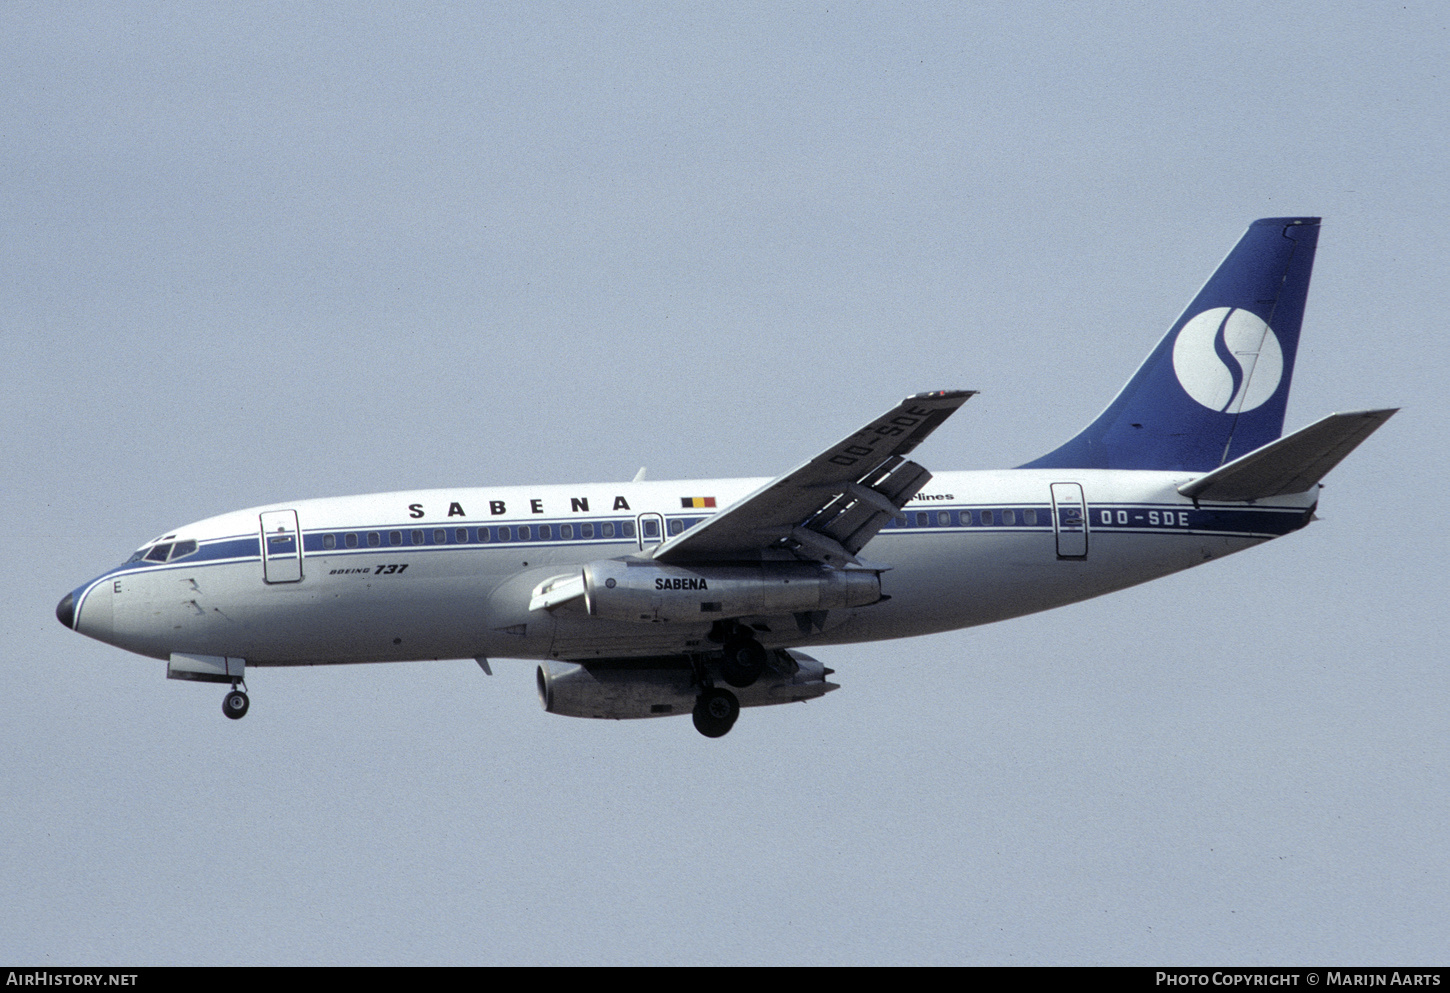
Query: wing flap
828,508
855,516
1292,464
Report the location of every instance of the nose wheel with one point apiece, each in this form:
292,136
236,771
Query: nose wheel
235,704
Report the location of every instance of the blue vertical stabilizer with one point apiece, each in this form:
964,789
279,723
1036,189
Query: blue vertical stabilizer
1216,386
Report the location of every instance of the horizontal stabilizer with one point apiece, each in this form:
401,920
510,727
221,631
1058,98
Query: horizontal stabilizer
1289,465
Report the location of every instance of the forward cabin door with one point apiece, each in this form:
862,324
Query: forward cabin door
651,530
1069,520
281,547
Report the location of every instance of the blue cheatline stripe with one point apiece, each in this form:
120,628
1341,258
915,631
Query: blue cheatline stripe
1147,518
313,541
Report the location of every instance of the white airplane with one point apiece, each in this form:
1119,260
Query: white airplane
640,599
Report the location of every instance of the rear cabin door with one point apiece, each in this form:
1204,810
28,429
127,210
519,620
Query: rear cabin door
1069,520
281,547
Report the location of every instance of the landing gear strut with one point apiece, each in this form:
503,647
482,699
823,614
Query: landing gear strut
715,709
235,704
715,712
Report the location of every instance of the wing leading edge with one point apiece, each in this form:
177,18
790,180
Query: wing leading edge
828,508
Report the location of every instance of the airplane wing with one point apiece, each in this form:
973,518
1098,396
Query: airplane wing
829,507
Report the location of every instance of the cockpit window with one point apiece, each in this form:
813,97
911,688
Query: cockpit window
166,552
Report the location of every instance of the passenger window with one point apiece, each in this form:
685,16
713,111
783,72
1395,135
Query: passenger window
606,530
350,540
965,518
1009,517
395,537
483,534
417,537
676,526
586,530
651,528
944,518
921,520
374,539
987,517
503,534
329,541
440,536
1029,516
566,531
545,532
525,533
461,536
158,553
626,529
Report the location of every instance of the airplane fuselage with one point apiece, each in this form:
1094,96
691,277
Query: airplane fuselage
450,573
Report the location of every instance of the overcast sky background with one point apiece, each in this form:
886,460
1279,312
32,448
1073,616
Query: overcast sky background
265,252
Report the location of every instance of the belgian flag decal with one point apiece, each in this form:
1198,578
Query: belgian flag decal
692,502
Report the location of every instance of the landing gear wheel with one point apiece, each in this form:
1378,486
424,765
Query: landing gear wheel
715,713
744,662
235,705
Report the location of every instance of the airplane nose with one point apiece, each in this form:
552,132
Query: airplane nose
65,611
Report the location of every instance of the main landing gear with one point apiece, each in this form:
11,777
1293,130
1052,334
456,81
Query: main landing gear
716,708
715,712
744,661
236,703
745,657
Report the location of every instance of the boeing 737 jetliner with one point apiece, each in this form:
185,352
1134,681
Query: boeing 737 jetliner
647,599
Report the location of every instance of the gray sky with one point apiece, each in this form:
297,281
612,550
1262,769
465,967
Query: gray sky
267,252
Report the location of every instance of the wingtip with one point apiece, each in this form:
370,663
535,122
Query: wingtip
944,395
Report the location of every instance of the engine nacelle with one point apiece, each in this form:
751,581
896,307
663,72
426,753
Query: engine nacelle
622,689
651,592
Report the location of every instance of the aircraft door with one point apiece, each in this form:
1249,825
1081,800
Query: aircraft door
651,530
281,547
1069,520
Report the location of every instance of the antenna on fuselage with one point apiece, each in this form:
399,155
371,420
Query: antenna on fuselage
639,476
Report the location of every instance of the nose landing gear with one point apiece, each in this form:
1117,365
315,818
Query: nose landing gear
235,704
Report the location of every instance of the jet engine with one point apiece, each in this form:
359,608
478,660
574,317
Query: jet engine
622,689
622,590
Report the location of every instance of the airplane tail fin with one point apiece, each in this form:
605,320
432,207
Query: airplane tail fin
1216,386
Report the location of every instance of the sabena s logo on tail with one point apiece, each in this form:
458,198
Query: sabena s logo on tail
1228,359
